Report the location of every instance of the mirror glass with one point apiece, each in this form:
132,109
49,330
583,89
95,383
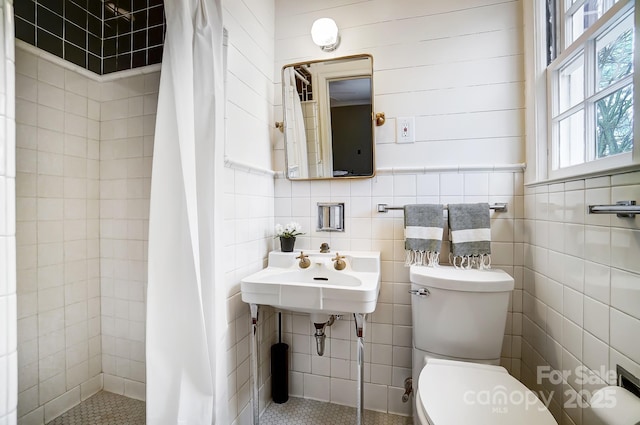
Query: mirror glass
328,118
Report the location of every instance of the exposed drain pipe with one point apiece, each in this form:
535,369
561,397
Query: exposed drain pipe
320,324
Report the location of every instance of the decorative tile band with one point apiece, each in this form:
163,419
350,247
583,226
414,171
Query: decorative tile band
516,168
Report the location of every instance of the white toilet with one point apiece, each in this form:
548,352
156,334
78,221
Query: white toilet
459,318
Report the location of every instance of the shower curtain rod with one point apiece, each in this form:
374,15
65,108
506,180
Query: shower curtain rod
301,77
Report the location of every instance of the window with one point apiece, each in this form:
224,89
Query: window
590,85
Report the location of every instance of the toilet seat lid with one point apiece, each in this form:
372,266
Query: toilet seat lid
455,392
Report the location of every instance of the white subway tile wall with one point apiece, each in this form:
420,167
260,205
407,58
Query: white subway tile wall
249,195
126,149
8,303
58,230
580,297
248,231
388,339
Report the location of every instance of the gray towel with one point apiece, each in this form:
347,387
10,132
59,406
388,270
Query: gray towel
470,229
423,226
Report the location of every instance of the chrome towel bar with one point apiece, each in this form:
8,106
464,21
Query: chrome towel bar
498,207
623,209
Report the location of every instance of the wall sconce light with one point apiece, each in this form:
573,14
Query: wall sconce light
324,33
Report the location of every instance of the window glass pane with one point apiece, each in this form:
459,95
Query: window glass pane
614,123
614,51
585,16
571,140
577,26
571,83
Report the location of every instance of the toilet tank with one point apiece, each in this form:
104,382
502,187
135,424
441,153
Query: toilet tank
465,313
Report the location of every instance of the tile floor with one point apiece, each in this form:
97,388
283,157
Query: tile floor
298,411
112,409
104,409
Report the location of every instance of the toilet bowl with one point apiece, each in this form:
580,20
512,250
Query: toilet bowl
451,393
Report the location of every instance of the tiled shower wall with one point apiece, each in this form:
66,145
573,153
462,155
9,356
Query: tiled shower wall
581,279
388,339
127,126
81,238
8,341
58,230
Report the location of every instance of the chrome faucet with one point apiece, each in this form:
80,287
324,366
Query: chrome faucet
304,260
339,264
324,247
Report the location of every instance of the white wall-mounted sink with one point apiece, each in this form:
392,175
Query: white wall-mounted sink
318,288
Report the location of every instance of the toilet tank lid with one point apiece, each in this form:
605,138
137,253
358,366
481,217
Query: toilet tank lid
454,392
472,280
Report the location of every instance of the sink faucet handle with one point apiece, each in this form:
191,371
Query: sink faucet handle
304,260
339,261
324,247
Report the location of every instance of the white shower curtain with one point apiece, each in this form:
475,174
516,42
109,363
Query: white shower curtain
296,132
186,296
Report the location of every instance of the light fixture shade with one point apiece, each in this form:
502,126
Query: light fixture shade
324,33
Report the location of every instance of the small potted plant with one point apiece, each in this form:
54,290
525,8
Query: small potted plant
287,235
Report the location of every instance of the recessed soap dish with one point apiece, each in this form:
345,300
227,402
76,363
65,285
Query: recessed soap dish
331,217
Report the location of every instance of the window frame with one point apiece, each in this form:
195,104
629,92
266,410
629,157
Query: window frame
537,146
584,46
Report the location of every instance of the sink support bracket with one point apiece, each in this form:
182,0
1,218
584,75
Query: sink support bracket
359,324
254,362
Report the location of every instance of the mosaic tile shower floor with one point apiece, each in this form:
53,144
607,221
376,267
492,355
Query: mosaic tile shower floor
112,409
104,409
298,411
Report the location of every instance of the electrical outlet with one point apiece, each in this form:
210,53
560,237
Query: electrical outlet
406,130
